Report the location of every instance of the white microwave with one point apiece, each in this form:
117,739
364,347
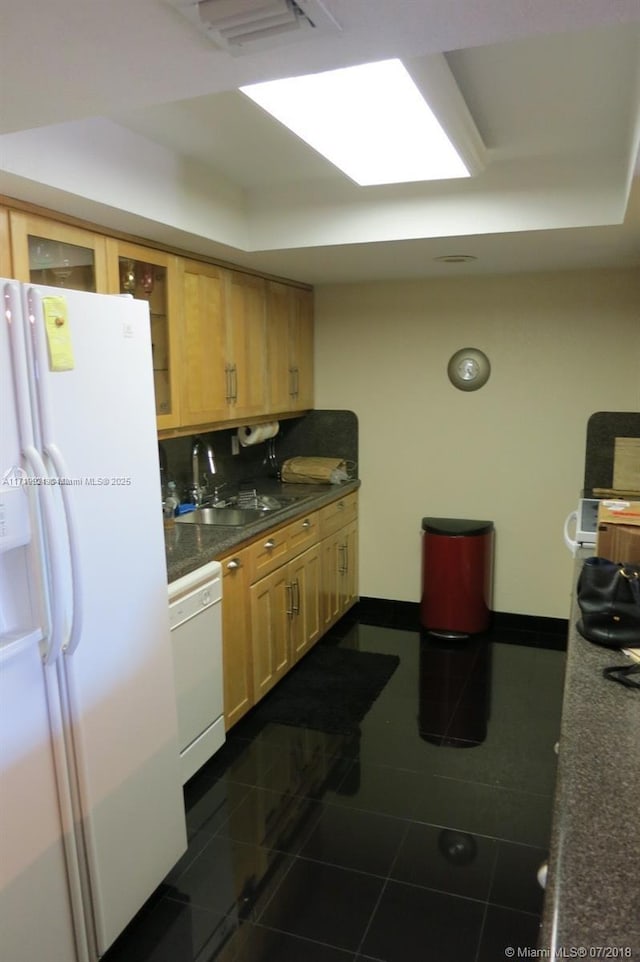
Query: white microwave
585,521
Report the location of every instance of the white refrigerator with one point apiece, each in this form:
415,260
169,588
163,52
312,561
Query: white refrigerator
91,805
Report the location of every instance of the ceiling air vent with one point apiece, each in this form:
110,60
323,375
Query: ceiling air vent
243,26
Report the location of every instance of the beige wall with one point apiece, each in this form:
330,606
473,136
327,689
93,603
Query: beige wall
561,345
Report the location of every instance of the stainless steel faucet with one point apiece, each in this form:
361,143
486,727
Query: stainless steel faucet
196,488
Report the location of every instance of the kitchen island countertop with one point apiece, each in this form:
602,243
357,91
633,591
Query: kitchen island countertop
188,546
592,900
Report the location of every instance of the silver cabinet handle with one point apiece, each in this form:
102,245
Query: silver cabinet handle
342,563
234,564
271,543
289,590
306,524
341,505
296,598
234,383
227,376
292,382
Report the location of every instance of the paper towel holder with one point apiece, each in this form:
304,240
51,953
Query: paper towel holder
257,433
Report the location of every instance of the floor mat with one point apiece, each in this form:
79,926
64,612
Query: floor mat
330,690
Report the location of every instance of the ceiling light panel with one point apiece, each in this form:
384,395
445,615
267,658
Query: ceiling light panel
371,121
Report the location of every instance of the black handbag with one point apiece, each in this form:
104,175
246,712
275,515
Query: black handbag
609,600
624,674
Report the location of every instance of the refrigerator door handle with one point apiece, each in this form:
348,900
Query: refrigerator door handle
53,560
51,450
54,635
53,677
54,453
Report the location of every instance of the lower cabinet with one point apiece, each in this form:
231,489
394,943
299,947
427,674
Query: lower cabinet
285,618
280,595
306,619
269,604
237,656
339,573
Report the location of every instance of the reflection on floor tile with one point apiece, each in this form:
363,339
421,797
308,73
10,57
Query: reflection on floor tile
506,929
447,860
417,837
412,923
172,931
324,903
515,883
268,945
484,809
275,820
381,789
360,840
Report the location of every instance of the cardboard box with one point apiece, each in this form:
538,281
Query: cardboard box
618,511
619,543
618,534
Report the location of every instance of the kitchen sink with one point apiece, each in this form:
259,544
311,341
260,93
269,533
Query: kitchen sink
227,516
235,513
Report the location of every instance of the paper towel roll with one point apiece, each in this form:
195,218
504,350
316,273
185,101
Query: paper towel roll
258,433
250,435
271,429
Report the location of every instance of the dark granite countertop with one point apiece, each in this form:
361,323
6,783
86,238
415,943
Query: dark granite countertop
188,546
592,898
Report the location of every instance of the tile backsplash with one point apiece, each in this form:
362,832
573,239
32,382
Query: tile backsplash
318,433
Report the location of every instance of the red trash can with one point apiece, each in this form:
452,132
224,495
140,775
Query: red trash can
457,574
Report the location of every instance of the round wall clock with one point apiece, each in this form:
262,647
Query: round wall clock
469,369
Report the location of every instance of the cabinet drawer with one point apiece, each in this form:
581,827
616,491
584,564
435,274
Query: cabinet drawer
267,554
303,532
335,515
281,545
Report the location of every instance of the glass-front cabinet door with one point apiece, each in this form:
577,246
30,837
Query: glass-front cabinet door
150,275
47,252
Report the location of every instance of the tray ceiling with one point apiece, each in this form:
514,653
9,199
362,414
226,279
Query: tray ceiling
128,116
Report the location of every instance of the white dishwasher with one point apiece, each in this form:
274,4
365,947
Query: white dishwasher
195,616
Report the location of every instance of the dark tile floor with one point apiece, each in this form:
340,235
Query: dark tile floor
419,838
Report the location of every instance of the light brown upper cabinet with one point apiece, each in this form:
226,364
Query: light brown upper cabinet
204,377
228,347
224,345
152,276
247,339
290,347
44,251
